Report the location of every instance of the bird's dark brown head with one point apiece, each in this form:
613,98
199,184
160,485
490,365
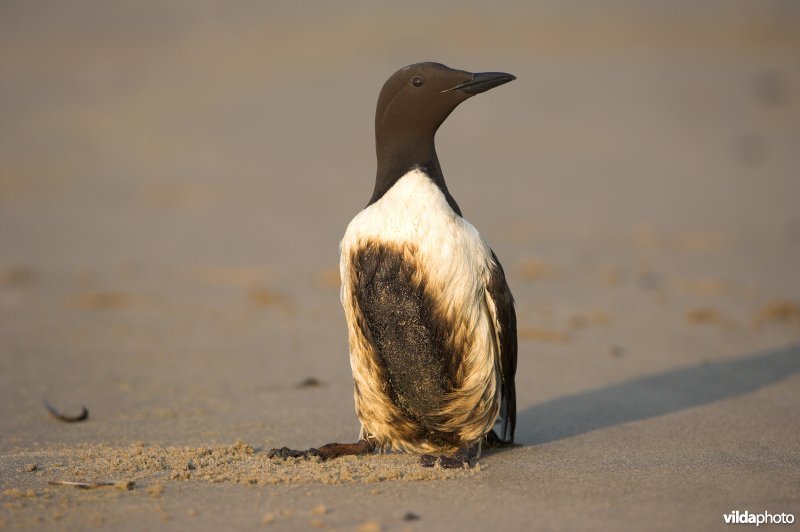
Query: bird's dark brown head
418,98
412,105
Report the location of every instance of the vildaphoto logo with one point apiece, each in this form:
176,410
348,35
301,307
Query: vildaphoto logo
764,518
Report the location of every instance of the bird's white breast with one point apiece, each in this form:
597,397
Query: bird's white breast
414,210
454,263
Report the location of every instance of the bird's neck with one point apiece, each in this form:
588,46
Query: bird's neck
401,154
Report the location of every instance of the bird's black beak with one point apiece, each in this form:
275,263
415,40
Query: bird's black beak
482,82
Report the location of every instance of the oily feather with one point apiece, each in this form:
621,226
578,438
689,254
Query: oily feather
449,266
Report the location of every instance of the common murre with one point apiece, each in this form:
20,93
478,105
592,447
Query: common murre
432,327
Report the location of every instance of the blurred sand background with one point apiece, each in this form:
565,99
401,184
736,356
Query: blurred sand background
174,181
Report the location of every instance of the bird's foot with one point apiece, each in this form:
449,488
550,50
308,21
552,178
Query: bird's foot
447,462
326,452
463,458
285,452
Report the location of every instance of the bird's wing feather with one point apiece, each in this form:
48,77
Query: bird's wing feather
501,306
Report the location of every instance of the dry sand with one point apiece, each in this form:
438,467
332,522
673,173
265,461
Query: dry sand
174,180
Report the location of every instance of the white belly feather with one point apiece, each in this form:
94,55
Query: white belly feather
456,263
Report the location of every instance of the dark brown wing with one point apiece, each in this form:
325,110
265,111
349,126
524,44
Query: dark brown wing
505,320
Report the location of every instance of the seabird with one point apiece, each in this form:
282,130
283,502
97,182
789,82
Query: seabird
432,327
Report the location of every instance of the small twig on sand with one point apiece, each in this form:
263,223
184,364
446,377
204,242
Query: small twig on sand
120,484
83,416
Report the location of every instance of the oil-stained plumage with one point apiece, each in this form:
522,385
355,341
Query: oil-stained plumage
432,328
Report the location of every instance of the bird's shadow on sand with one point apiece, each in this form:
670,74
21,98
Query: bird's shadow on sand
653,395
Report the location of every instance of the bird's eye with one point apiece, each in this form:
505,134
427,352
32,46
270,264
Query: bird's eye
417,81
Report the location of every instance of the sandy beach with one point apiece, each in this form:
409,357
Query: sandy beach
174,182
